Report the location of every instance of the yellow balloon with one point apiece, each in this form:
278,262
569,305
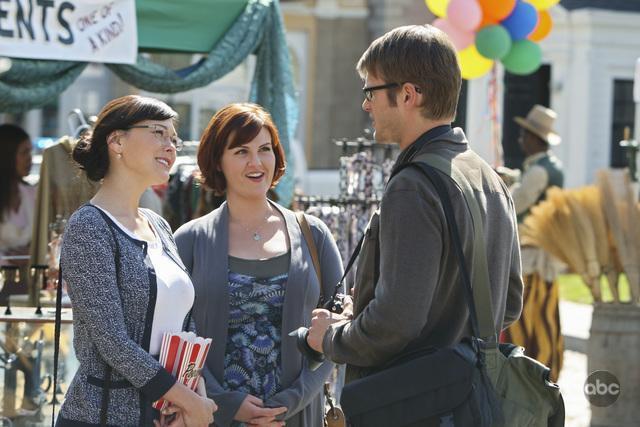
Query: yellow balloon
543,4
472,64
438,7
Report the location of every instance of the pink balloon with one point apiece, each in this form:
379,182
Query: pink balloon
461,39
464,14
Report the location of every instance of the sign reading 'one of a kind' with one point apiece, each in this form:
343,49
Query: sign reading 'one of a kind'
69,30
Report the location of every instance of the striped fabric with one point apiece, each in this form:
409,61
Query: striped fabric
538,329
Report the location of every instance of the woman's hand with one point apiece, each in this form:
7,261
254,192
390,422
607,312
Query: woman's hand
170,417
253,412
197,411
201,389
267,424
199,414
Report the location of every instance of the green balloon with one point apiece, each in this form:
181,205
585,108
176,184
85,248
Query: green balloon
493,41
523,58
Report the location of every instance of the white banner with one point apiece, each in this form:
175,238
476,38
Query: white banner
70,30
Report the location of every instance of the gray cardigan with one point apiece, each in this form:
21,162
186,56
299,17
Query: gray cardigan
418,300
203,245
112,319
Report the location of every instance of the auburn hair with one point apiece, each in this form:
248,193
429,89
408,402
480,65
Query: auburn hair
232,126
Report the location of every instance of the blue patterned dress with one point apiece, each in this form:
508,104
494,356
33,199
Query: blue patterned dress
252,355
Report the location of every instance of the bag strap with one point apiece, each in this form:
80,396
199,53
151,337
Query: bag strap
56,345
313,250
480,266
478,296
308,237
311,244
104,408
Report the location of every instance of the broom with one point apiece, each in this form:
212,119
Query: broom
586,238
549,226
590,199
633,234
618,218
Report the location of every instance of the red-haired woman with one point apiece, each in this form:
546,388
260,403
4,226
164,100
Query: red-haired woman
254,278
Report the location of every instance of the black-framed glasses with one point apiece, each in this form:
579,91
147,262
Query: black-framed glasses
368,90
162,133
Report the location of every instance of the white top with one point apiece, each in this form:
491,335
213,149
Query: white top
533,182
16,226
175,293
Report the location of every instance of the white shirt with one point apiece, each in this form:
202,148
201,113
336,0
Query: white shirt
534,181
16,226
175,293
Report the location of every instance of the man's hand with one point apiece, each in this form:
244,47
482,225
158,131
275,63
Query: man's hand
321,319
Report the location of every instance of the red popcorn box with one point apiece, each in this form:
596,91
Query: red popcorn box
183,355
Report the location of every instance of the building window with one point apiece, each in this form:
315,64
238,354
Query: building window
623,116
520,94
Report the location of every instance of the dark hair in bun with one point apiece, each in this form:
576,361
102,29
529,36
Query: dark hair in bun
92,153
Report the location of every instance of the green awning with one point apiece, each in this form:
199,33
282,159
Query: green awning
162,24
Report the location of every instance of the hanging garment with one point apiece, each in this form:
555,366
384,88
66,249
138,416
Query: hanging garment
63,188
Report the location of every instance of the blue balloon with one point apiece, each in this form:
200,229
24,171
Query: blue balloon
522,21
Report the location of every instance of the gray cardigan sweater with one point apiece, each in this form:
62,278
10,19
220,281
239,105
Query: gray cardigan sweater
112,319
203,245
418,300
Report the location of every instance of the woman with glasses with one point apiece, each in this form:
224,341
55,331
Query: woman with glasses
125,279
254,278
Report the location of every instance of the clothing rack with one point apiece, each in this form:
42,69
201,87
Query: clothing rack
365,166
307,201
349,146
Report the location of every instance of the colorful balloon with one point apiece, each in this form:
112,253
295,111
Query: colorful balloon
493,41
522,21
461,39
495,11
472,64
542,30
464,14
543,4
438,7
524,57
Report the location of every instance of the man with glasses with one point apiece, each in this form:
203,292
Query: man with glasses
408,293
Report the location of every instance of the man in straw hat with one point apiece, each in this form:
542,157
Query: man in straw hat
538,329
541,168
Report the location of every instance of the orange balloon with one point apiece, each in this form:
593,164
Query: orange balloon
495,11
542,30
487,20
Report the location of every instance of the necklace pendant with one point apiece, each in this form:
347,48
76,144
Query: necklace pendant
257,236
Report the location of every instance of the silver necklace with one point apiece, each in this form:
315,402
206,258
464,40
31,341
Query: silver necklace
255,235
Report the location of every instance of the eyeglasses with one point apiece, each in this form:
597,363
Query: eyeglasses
161,133
368,90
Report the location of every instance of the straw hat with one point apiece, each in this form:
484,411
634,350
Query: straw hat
539,121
